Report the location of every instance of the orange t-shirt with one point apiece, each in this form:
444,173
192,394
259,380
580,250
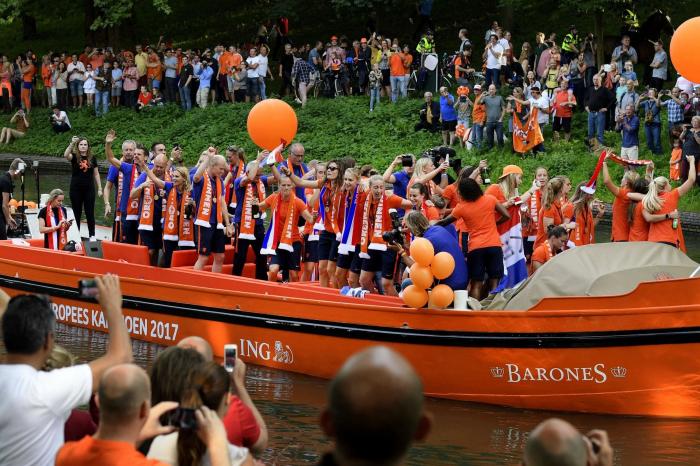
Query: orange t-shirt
97,60
663,231
154,72
46,71
396,65
479,219
299,207
29,75
563,111
451,195
639,229
479,111
89,451
430,212
496,191
620,226
225,62
554,213
540,254
584,232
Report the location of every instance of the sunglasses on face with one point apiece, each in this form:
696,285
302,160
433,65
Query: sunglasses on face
331,169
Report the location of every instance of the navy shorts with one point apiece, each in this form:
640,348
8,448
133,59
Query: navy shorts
310,250
351,261
287,260
130,231
151,239
380,261
210,240
484,261
327,247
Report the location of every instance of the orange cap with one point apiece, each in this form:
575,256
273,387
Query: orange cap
511,169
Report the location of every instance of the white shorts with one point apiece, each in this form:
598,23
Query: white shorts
630,153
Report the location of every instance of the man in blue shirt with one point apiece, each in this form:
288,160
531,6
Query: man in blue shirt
399,179
204,73
150,225
170,63
442,241
629,124
128,149
258,184
295,163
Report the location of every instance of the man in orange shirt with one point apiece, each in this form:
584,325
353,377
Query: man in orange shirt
126,418
28,70
478,117
225,64
397,72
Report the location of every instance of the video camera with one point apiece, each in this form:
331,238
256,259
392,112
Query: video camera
395,235
440,153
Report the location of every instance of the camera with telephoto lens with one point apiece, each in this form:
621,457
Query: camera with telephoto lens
395,235
440,153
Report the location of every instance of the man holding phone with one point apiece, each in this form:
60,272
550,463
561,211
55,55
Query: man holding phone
6,190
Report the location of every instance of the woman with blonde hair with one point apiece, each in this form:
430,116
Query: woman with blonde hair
53,222
661,208
585,212
620,206
424,172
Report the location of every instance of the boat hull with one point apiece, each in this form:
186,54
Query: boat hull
637,361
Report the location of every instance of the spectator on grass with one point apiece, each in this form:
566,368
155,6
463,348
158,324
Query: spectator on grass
89,85
76,75
170,64
184,84
556,442
628,123
21,123
429,114
651,106
562,110
448,115
145,99
375,86
495,108
253,83
492,56
659,66
117,83
103,88
126,418
240,86
204,74
245,425
375,409
624,52
301,77
598,101
285,70
59,80
35,404
674,105
131,83
59,120
478,116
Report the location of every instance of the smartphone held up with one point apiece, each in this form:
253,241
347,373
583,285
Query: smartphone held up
230,355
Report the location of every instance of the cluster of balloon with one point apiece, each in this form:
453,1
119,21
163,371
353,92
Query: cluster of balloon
272,122
428,267
683,49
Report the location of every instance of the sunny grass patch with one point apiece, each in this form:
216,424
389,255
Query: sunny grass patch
328,128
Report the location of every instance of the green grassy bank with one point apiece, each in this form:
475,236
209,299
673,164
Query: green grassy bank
327,128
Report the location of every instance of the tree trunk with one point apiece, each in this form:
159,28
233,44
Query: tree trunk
599,31
508,16
89,19
28,26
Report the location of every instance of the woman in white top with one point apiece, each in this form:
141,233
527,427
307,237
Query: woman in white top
89,85
210,388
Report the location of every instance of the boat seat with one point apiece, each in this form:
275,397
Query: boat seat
184,258
249,270
36,242
125,253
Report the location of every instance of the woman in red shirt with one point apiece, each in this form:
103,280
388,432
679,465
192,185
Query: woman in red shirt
564,103
478,213
661,208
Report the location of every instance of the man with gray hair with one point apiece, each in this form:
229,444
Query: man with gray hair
295,164
6,190
429,114
629,124
555,442
116,178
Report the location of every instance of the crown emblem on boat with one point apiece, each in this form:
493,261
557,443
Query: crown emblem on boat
497,372
619,372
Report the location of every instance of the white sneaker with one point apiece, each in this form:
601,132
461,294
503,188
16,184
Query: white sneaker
92,238
297,100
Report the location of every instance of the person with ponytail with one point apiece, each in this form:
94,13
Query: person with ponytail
585,212
620,224
661,208
84,181
639,227
425,172
53,222
178,226
349,263
418,195
531,213
235,157
206,394
551,212
557,238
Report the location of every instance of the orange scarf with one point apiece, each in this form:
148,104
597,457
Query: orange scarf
148,197
175,226
120,186
278,235
373,239
311,228
132,210
583,233
230,191
207,201
247,221
59,238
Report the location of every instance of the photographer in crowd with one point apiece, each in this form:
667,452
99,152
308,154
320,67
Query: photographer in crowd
35,404
555,441
59,120
7,187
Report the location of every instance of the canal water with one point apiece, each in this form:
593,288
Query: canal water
462,434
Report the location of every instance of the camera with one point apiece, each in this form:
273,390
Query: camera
21,167
406,160
485,176
395,235
87,288
462,98
255,210
182,418
189,211
230,355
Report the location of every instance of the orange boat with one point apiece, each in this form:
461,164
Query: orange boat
620,347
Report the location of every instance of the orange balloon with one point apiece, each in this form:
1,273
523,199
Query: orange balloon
683,49
13,203
422,251
414,296
443,265
421,276
272,122
441,296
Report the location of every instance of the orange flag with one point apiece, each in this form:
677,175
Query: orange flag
528,135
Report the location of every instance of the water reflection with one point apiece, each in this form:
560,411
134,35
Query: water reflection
463,433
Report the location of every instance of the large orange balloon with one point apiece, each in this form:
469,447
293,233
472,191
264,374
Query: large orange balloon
443,265
271,122
414,296
421,276
422,251
684,54
441,296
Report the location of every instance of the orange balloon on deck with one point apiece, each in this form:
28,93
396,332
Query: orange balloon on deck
272,122
414,296
441,296
443,265
422,251
684,54
421,276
